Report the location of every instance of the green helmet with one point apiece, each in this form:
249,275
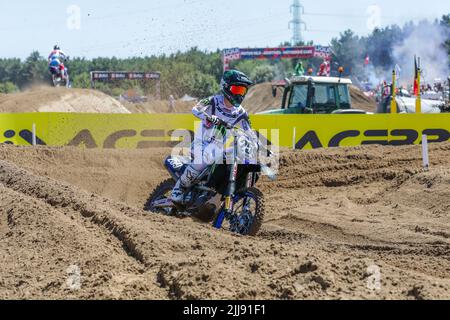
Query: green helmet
234,86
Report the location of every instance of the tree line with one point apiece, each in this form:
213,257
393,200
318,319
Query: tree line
198,72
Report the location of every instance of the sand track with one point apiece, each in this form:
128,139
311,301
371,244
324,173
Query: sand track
333,217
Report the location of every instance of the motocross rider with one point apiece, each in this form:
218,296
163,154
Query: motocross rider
225,107
56,59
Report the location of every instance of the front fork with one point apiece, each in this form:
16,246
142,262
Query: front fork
227,208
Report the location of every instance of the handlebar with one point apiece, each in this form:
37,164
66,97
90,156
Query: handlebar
222,123
226,125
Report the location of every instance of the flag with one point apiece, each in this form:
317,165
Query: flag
398,71
367,61
416,77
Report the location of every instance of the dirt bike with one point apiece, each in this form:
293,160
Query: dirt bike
222,193
57,78
59,81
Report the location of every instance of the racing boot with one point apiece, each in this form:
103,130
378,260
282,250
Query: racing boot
185,181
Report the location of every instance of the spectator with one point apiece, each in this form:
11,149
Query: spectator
171,103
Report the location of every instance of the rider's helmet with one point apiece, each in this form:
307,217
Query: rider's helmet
235,86
56,47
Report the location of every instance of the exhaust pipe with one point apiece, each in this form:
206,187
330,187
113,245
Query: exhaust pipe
163,203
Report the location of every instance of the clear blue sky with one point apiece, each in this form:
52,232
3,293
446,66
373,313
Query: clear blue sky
145,27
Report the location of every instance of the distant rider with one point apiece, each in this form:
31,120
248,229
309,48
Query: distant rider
226,107
56,61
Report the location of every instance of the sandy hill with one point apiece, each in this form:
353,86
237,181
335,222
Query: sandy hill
160,106
260,99
48,99
361,101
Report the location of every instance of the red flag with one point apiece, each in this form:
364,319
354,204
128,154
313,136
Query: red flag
416,76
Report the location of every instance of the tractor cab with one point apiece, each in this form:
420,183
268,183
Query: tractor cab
314,95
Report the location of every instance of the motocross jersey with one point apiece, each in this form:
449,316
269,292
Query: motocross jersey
57,55
215,106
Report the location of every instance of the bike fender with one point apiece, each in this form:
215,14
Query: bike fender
163,203
219,221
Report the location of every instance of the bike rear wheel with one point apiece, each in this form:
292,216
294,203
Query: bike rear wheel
163,190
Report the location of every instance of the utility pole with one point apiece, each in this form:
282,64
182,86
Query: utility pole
297,10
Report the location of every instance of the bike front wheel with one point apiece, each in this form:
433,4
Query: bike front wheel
248,212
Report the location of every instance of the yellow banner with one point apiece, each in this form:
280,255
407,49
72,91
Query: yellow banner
156,130
317,131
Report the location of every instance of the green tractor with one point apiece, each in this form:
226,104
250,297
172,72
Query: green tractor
314,95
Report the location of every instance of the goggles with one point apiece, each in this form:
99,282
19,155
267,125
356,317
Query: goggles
238,90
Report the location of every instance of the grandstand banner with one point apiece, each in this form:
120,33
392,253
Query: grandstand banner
305,52
139,131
